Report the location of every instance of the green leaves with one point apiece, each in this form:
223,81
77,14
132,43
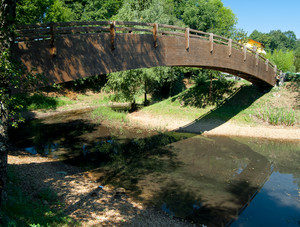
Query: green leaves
207,15
283,59
41,11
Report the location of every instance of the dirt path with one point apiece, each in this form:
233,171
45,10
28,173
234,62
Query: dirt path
84,200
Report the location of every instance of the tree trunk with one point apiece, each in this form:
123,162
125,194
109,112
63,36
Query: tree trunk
3,158
145,95
7,17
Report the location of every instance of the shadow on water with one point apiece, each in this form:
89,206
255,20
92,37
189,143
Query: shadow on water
241,99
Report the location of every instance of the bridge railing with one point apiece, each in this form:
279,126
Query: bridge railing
52,31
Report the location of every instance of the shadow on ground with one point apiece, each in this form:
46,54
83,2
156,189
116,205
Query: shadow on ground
241,99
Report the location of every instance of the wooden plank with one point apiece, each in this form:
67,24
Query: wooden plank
171,27
171,33
70,30
256,58
199,32
155,30
134,23
187,39
211,41
199,37
52,40
131,29
229,47
113,34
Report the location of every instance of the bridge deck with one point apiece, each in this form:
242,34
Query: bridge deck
69,51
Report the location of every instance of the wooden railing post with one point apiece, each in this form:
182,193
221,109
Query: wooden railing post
112,30
52,40
245,52
229,47
275,69
256,58
267,65
155,30
211,41
187,39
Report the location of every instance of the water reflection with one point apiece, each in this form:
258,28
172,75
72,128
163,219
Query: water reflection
216,178
206,180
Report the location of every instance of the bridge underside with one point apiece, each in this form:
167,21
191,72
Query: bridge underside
85,55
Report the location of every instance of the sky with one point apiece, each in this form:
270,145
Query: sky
266,15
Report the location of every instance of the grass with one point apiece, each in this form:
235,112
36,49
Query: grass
107,113
244,104
41,101
278,116
21,209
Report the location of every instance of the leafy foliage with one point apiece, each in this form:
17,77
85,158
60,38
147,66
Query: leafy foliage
41,11
207,15
283,59
276,39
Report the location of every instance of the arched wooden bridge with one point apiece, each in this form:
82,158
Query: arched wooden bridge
73,50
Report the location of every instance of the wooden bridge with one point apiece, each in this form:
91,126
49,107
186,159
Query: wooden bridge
72,50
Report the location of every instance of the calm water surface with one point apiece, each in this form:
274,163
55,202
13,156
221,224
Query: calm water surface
212,181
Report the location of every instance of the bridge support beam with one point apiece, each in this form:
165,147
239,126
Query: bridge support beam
211,41
229,47
187,39
52,39
155,31
112,30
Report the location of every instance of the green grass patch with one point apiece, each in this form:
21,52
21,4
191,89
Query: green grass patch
278,116
172,107
107,113
40,101
20,209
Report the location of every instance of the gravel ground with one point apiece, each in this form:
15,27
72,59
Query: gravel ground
84,200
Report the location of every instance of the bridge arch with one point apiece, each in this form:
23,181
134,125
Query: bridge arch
74,50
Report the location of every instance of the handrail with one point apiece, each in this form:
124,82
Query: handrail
49,31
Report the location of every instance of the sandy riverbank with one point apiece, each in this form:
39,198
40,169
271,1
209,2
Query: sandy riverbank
215,127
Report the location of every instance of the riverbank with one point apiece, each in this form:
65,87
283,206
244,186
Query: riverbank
247,113
215,127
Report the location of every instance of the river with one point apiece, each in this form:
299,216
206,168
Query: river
206,180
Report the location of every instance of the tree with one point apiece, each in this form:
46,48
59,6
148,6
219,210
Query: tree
207,16
12,76
276,39
41,11
100,9
7,16
283,59
125,86
155,11
297,59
